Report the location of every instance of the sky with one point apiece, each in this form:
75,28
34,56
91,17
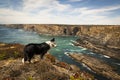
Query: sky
98,12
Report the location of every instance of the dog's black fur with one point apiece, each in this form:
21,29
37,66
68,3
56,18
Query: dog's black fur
40,49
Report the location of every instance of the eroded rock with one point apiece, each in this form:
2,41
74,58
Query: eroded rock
96,65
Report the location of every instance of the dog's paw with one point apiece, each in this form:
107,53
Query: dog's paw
32,62
23,60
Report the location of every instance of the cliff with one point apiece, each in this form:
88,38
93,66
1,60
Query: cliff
107,35
11,67
103,39
102,35
98,38
96,65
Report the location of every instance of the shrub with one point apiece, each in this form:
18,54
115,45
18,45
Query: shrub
15,73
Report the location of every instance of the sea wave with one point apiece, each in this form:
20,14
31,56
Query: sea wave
86,66
118,64
20,30
66,53
106,56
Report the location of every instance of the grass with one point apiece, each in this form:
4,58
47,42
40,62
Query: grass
15,73
41,70
2,56
29,78
81,76
10,51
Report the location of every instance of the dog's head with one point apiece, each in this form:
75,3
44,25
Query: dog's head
51,43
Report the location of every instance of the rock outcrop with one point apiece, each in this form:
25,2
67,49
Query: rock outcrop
96,65
103,39
12,68
86,42
106,35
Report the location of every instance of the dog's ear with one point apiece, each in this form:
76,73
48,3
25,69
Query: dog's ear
52,40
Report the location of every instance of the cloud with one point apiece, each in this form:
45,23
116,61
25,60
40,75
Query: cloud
97,16
32,5
29,5
74,0
54,12
86,10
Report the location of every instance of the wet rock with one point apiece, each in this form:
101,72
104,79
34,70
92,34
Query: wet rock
96,65
98,48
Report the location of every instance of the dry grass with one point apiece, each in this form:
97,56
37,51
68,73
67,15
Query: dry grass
11,67
10,51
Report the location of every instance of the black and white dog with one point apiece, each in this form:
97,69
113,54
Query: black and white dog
39,49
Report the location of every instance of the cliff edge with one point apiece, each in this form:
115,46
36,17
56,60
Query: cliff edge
12,68
106,35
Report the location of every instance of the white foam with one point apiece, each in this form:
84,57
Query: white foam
84,49
72,41
91,53
80,46
76,50
66,53
106,56
117,63
86,66
71,44
20,30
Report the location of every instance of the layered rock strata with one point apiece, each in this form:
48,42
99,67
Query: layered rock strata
96,65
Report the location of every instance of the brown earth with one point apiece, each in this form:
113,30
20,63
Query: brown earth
12,68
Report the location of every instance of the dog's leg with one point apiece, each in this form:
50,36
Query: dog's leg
29,58
25,58
42,55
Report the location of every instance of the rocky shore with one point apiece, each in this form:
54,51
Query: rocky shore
86,42
103,35
11,67
101,39
96,65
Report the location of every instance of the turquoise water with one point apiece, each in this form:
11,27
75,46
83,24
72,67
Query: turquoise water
64,45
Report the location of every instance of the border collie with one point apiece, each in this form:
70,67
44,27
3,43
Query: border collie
39,49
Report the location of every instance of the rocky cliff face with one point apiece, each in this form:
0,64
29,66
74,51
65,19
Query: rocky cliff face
106,35
102,35
97,65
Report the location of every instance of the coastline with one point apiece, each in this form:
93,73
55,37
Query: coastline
99,49
85,42
96,65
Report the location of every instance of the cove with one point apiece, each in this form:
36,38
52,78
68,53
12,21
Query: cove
10,35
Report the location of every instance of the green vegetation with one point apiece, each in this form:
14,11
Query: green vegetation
2,56
10,51
29,78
